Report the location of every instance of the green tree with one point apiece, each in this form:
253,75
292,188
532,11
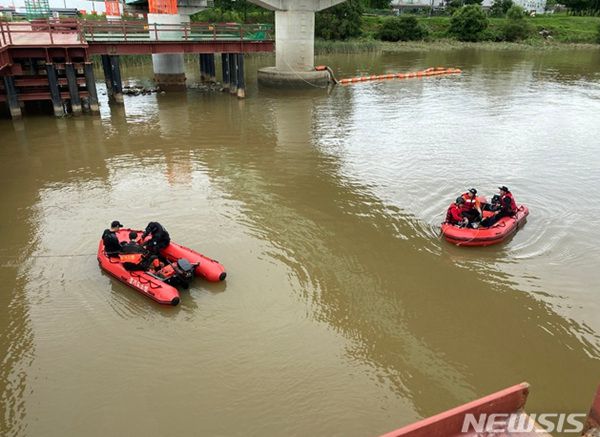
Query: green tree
598,35
404,28
582,7
340,22
516,27
378,4
453,5
550,5
500,8
468,23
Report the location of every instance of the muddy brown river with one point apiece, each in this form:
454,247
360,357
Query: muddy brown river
344,312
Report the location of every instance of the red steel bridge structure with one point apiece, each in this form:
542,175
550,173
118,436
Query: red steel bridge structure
51,60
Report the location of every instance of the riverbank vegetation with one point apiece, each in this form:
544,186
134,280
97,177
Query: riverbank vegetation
366,25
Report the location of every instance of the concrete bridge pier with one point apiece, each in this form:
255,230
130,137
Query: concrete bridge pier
169,72
295,44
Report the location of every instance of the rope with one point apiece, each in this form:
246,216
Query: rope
302,79
50,256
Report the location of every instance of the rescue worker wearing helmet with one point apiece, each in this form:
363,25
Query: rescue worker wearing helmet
472,207
508,207
454,215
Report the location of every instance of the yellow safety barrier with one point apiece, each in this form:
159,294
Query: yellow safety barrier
437,71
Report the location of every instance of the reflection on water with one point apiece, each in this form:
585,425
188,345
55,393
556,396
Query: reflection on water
344,313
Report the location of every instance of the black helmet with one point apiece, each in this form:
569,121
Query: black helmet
133,235
473,191
460,200
116,224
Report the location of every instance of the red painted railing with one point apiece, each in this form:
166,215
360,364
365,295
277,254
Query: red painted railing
42,32
51,32
126,31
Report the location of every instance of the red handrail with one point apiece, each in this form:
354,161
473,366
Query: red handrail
124,30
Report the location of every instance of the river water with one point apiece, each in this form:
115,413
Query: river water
344,313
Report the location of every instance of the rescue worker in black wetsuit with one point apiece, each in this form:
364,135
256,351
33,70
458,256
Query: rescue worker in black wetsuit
132,246
160,237
110,239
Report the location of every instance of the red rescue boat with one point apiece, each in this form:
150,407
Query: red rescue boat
504,228
152,285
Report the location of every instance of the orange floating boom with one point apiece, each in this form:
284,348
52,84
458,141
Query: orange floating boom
431,71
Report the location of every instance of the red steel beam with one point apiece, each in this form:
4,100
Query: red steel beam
43,81
155,47
42,95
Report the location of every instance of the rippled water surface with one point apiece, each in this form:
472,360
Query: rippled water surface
344,313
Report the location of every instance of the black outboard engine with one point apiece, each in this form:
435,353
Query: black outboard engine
178,273
184,272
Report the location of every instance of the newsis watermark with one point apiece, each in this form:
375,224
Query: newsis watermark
524,423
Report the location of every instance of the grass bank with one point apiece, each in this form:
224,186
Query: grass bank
563,28
323,47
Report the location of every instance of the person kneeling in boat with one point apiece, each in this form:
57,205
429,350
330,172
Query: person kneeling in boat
507,208
472,207
134,256
112,247
160,237
454,215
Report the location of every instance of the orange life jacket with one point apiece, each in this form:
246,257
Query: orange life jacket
470,202
133,258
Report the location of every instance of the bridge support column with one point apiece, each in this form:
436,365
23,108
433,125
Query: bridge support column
212,70
117,84
241,83
169,73
107,75
207,67
90,84
203,67
12,98
57,103
225,69
294,44
233,73
73,88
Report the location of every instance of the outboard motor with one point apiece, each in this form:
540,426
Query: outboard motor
184,271
178,273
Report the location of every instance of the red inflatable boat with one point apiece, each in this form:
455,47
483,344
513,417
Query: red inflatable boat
497,233
154,285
